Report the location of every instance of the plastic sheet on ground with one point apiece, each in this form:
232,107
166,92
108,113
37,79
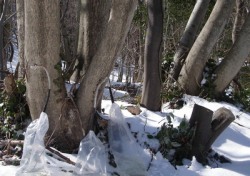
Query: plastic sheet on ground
33,159
127,152
91,158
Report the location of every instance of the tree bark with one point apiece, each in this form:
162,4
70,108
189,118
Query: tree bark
120,67
232,63
20,29
2,18
221,119
42,41
200,119
94,16
239,19
152,75
189,35
141,60
191,73
42,48
135,48
141,51
69,32
208,126
102,62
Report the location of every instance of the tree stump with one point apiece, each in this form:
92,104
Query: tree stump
208,126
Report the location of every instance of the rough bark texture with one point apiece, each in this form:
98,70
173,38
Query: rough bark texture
208,126
42,47
152,78
191,73
189,35
232,63
20,29
102,63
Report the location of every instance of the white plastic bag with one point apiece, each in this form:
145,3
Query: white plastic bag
33,159
91,159
127,153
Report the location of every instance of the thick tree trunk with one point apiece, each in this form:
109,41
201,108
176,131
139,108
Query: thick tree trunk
152,78
208,126
102,62
189,35
191,73
232,63
20,29
42,47
42,41
94,16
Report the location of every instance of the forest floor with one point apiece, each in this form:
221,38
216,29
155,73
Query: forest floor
233,143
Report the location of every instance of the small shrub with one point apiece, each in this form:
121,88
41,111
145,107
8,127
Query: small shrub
208,78
176,143
173,94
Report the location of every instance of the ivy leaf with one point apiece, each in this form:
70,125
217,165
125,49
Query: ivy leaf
150,136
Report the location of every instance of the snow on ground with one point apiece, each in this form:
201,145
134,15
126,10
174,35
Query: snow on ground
12,65
233,143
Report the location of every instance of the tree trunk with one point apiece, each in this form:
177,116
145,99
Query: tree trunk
136,68
191,73
120,67
239,19
69,32
94,16
141,51
152,79
2,18
200,119
208,126
232,63
189,35
20,29
42,48
102,62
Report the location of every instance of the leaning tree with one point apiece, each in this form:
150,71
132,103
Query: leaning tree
192,71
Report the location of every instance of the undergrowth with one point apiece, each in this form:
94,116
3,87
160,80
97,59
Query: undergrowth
13,111
175,143
238,92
